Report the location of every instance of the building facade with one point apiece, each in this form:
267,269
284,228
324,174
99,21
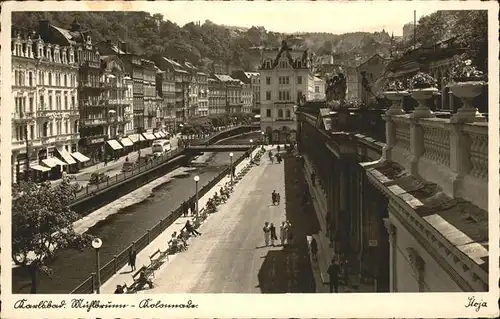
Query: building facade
165,84
129,102
370,73
150,101
45,97
247,97
216,96
319,89
285,76
202,109
233,90
251,79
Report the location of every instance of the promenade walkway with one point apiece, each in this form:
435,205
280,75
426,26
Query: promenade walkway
230,256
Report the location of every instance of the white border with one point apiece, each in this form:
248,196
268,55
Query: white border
422,305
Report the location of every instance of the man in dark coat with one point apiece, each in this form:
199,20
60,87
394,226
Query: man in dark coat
333,272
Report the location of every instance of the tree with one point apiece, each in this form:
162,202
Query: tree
42,223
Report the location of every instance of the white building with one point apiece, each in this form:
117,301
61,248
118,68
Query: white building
247,97
45,119
319,89
285,76
129,104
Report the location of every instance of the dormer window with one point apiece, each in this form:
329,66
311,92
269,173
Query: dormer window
283,64
49,55
299,64
268,64
71,56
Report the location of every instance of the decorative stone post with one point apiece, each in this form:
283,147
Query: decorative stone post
396,97
466,92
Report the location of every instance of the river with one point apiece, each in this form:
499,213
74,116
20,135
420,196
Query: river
121,222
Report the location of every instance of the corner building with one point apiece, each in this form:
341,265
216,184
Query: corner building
286,75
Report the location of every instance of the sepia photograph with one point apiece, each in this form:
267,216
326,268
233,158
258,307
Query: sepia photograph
237,148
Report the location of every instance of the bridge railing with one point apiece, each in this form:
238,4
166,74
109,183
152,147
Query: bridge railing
89,285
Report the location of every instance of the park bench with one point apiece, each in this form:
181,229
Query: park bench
156,258
135,285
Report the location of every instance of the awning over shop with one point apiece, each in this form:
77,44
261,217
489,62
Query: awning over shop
134,137
157,135
40,168
149,136
80,157
53,162
126,141
66,156
114,144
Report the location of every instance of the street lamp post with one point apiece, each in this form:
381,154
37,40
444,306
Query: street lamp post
196,180
97,243
251,149
231,166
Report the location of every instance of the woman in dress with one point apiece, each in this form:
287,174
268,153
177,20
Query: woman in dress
267,233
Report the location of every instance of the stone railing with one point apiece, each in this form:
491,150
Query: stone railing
451,152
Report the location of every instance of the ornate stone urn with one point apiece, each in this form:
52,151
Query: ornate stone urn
423,89
467,84
396,98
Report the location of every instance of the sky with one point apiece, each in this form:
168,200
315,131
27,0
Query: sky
300,16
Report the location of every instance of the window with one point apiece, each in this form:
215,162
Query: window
288,114
72,102
268,112
284,80
50,102
268,95
299,80
50,78
283,64
30,78
65,102
31,104
316,89
280,113
65,80
284,95
268,80
299,64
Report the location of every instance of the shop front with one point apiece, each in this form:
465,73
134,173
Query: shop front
128,144
93,148
113,150
64,155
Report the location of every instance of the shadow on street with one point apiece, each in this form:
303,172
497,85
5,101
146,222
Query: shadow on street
289,270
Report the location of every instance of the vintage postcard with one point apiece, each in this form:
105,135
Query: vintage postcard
236,159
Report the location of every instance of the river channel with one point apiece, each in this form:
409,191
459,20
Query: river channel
124,223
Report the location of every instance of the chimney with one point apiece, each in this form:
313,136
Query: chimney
43,29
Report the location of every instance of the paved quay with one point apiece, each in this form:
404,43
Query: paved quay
125,276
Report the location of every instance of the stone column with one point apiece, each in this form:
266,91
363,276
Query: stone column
391,230
459,158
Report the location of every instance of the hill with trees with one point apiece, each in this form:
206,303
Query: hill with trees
199,43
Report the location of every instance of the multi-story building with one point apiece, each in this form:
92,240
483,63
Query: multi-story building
114,98
165,85
45,117
193,88
129,102
182,81
253,79
92,123
246,97
150,101
370,73
285,76
134,68
202,109
216,96
233,88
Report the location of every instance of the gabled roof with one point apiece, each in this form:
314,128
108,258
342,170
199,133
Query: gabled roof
224,77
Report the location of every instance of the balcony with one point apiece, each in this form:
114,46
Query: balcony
284,119
23,117
94,122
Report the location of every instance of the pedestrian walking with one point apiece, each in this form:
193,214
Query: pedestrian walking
185,209
273,197
278,198
273,234
283,233
267,233
193,207
333,272
314,249
278,148
344,267
132,256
